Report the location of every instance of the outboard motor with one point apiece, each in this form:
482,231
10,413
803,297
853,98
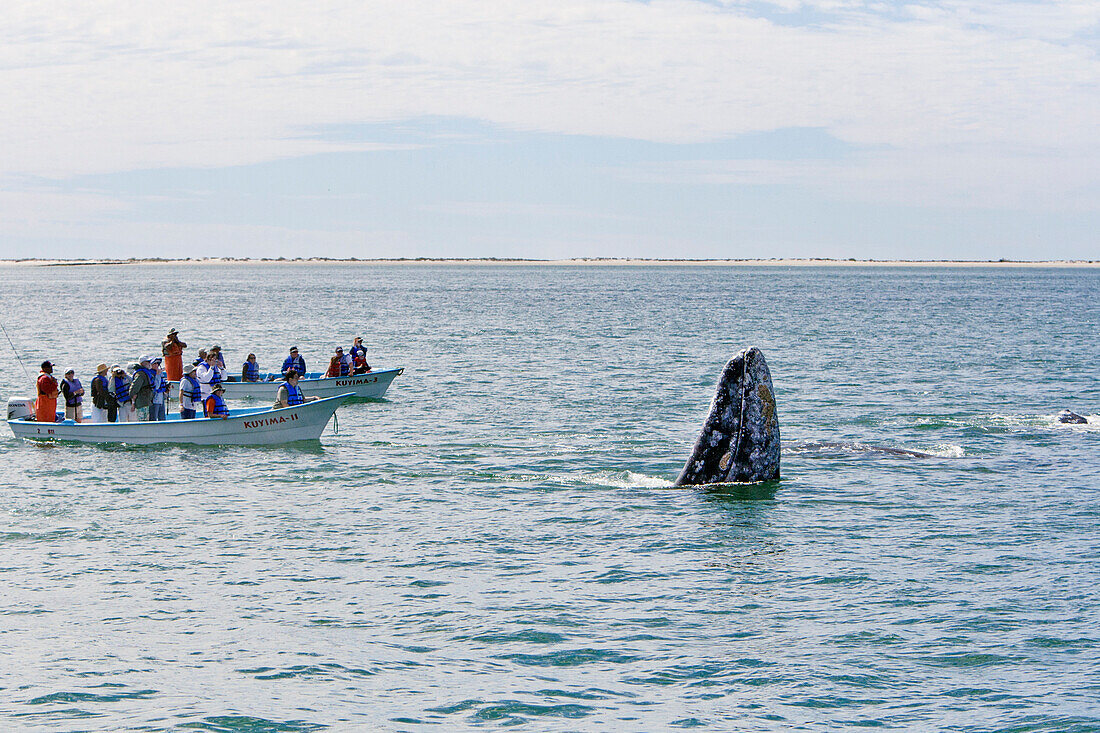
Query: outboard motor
19,408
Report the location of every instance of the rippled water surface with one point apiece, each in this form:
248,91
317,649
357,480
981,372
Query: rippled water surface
496,544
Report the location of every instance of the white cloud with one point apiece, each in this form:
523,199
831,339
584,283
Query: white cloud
965,179
88,234
510,209
973,94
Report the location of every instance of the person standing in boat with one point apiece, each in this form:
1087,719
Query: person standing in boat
290,394
74,396
159,409
103,407
294,362
45,406
172,349
250,370
210,374
217,350
120,388
214,405
359,357
190,394
141,388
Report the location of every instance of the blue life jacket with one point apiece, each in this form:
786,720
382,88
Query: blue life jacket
122,390
71,398
252,371
160,383
345,369
189,388
297,363
358,350
219,407
215,376
148,374
294,395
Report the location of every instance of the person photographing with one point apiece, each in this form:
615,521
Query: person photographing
172,351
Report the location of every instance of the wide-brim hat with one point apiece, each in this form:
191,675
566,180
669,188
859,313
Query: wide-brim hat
144,357
218,388
116,367
172,331
189,368
100,368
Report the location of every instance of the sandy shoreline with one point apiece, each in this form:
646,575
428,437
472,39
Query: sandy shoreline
593,261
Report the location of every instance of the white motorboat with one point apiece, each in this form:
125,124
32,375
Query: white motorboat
261,426
372,384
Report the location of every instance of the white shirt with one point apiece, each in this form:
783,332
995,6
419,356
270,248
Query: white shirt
204,373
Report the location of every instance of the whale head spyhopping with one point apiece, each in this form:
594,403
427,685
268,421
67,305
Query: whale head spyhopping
740,438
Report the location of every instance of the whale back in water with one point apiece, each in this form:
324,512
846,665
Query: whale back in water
740,438
1072,418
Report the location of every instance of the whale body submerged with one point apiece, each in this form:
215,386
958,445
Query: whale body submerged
739,442
1072,418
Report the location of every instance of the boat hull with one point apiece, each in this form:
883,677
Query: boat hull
371,385
242,427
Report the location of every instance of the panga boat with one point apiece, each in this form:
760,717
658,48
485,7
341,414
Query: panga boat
314,384
261,426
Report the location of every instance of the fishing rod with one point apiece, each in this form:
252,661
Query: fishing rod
15,351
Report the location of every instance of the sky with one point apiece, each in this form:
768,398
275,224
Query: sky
573,128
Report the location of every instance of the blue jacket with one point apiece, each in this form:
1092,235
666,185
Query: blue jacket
219,406
190,393
296,363
294,395
122,390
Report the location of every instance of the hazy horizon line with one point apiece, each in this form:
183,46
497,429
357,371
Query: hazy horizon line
787,261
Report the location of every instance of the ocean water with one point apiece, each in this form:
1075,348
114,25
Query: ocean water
497,544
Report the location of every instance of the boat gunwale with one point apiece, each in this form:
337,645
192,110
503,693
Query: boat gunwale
242,415
396,371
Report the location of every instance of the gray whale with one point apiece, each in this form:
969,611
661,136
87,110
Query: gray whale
739,442
1065,416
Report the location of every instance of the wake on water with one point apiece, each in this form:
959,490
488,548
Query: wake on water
836,449
995,421
625,480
